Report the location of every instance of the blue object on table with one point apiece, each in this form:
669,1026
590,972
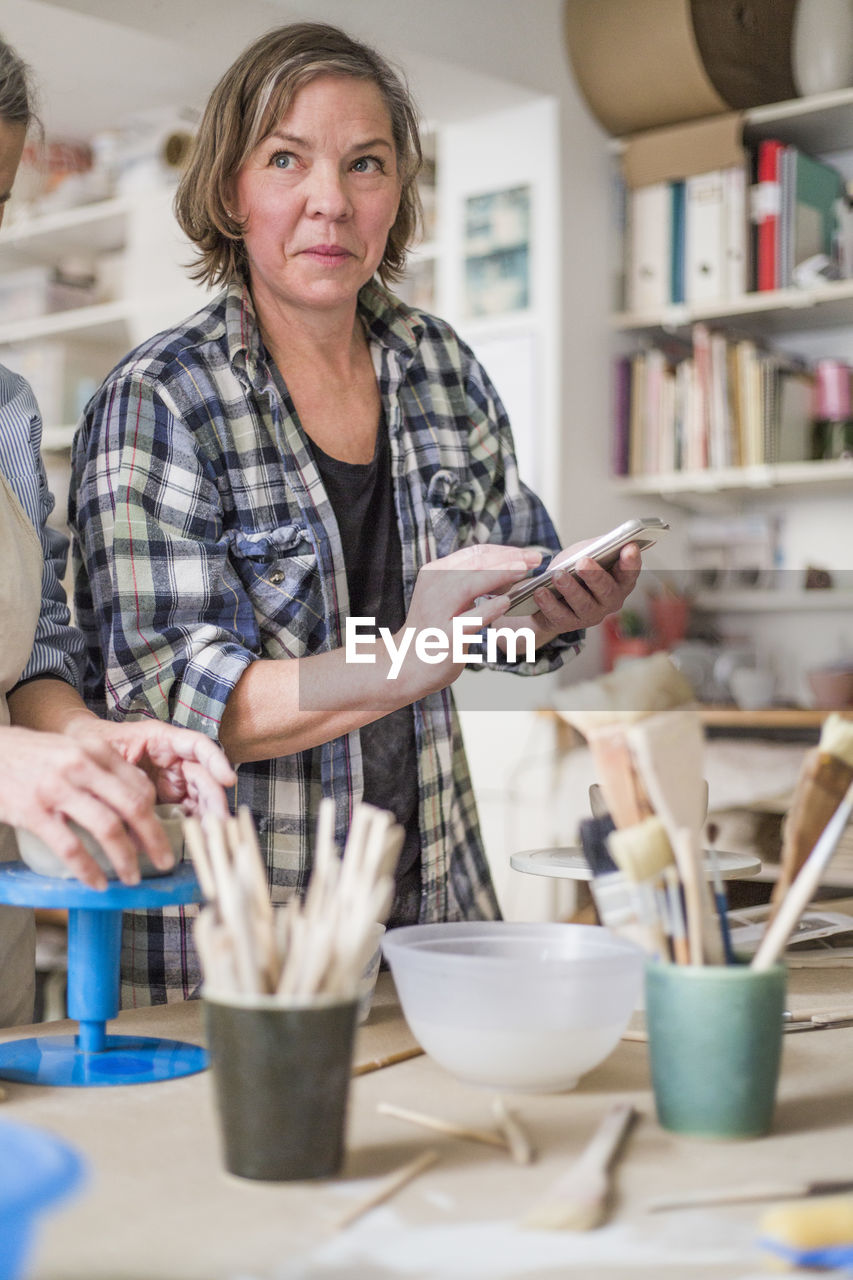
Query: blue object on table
36,1171
94,946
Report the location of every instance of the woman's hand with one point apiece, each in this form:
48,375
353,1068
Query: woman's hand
570,605
573,605
185,767
49,779
462,584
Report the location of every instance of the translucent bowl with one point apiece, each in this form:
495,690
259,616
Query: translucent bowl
518,1007
40,858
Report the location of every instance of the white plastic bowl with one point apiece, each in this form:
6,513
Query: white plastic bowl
522,1007
40,858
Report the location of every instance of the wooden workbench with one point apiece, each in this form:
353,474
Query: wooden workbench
158,1205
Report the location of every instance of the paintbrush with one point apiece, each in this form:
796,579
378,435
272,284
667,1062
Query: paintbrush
580,1200
642,853
719,893
611,891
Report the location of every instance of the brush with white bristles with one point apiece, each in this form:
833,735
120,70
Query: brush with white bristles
580,1200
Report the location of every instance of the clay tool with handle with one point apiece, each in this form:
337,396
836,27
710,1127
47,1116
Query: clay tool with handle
580,1200
668,750
826,773
802,890
750,1192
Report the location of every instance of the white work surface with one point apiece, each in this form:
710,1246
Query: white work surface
160,1207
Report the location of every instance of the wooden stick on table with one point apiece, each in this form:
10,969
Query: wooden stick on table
389,1187
488,1136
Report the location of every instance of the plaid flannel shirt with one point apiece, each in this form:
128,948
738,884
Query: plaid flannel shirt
204,541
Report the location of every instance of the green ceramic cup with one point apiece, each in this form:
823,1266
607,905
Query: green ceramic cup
715,1044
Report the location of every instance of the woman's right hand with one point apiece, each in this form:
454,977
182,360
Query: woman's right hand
47,779
448,588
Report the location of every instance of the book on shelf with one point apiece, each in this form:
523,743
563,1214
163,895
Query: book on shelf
620,458
710,218
810,208
704,237
649,248
713,404
677,208
796,207
766,204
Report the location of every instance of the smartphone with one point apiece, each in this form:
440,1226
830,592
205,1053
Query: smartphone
605,550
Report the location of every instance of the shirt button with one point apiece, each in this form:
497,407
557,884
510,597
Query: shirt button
276,577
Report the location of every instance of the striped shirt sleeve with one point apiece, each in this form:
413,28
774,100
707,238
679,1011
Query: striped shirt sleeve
58,648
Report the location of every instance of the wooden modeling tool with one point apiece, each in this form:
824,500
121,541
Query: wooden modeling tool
580,1200
748,1193
802,890
510,1125
392,1184
826,773
668,750
316,947
620,784
439,1125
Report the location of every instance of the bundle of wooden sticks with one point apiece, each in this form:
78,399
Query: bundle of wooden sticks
304,949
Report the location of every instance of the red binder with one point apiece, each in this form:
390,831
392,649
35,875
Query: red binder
767,213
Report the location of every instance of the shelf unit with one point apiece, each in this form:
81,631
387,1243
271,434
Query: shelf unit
769,601
804,476
822,124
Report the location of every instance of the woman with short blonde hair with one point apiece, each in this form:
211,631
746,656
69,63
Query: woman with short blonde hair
304,451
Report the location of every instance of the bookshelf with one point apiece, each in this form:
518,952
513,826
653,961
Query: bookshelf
136,255
819,126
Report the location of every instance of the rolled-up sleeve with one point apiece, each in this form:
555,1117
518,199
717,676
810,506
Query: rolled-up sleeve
154,578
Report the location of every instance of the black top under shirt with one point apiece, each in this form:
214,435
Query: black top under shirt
362,498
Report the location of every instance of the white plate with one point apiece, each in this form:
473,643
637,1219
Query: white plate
569,864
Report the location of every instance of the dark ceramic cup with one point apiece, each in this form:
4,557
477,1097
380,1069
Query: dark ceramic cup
281,1079
715,1044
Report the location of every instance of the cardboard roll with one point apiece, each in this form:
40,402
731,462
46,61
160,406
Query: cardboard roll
642,64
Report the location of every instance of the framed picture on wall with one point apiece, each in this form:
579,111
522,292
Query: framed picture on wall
497,252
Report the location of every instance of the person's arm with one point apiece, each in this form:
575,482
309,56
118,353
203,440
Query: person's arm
283,706
175,615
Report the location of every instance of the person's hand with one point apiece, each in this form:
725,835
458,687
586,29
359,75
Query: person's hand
49,779
464,583
185,767
572,605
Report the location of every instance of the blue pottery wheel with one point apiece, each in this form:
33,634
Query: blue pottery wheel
93,1058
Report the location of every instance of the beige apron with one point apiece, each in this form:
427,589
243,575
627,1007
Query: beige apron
21,567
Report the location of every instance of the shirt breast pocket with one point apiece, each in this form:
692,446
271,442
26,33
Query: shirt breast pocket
278,571
450,502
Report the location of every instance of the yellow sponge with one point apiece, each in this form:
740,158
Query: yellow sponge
813,1233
